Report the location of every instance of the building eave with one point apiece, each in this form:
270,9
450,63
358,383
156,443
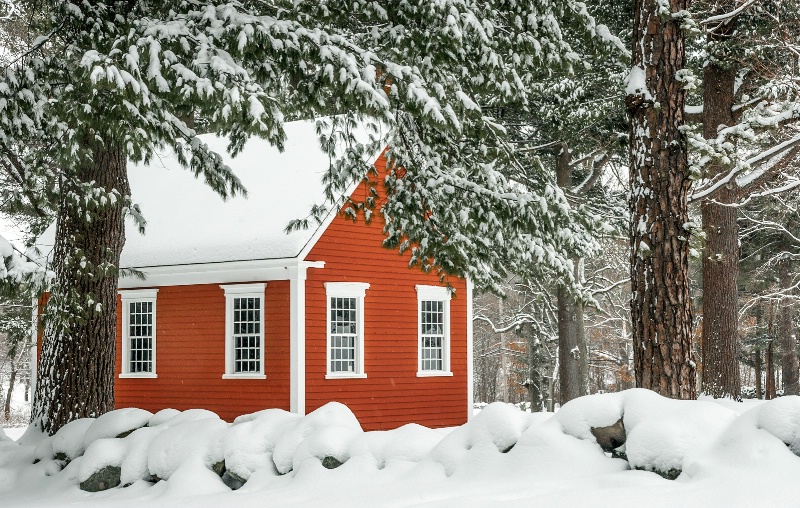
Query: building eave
216,273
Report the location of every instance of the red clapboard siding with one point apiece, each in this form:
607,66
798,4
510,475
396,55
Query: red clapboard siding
392,394
190,355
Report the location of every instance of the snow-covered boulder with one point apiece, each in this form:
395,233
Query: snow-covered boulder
116,423
163,416
44,450
781,418
334,415
134,464
171,417
330,445
662,435
197,442
117,461
409,443
497,429
578,416
68,441
100,467
250,441
666,435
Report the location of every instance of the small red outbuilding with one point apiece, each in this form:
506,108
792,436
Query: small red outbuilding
234,315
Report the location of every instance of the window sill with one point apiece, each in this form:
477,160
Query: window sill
345,376
244,376
138,375
434,373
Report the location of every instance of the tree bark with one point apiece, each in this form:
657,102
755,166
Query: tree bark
572,355
790,369
720,340
660,302
76,374
11,379
757,365
770,374
569,355
769,389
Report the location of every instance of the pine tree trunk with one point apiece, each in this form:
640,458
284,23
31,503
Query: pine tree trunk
660,303
11,379
789,364
720,340
770,375
569,356
76,373
583,347
572,358
757,364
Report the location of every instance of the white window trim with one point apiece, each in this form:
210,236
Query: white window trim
242,291
434,293
128,296
357,290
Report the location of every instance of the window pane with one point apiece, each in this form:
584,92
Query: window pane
344,329
246,335
140,336
432,335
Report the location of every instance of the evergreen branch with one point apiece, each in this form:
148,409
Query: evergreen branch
786,152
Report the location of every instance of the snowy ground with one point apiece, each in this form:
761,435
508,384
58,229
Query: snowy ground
727,454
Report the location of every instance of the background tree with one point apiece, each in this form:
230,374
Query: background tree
771,249
20,279
574,128
16,339
749,104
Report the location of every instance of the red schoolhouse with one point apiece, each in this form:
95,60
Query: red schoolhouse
234,315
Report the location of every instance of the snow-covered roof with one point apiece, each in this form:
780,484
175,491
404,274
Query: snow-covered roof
189,223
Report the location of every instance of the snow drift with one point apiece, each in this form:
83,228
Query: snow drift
326,456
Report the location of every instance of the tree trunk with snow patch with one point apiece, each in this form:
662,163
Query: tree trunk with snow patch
76,372
660,304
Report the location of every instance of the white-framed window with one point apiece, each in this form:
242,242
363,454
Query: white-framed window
433,331
345,325
138,333
244,331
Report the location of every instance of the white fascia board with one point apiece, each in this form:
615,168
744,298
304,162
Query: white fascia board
218,273
334,212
